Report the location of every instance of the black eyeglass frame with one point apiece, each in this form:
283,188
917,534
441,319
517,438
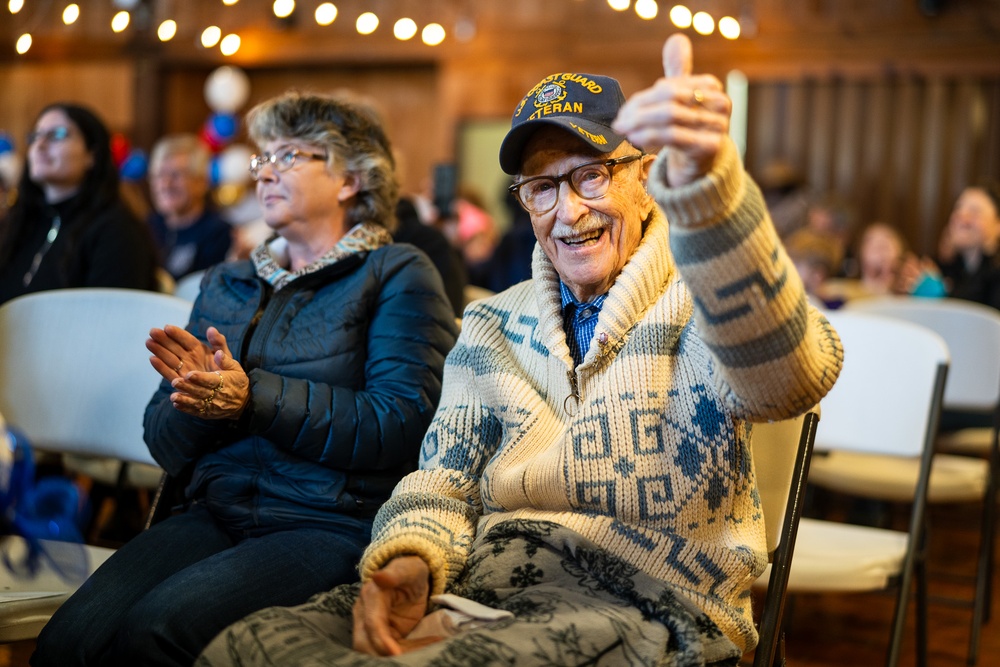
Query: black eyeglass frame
515,189
257,162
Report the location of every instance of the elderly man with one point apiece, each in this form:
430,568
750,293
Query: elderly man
585,493
189,235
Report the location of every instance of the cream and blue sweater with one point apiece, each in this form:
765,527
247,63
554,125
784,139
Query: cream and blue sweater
643,448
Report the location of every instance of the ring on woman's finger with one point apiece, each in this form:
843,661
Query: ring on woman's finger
177,369
698,97
221,382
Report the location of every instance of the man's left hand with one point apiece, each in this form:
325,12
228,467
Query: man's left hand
685,113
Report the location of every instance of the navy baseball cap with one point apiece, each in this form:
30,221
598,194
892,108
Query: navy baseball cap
584,104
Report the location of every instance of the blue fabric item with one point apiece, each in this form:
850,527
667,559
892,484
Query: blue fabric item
49,509
345,370
930,286
579,321
188,578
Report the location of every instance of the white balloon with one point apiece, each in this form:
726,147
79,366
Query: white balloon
234,165
227,89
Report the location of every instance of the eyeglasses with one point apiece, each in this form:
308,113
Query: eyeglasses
282,160
590,181
58,133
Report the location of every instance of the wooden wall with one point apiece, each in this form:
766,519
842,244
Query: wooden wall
891,107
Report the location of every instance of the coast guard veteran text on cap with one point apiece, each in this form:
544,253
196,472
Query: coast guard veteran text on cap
584,104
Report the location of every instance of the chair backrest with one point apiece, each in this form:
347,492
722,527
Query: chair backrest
887,399
74,371
972,333
781,453
777,449
188,287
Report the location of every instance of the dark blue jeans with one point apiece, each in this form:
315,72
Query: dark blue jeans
164,595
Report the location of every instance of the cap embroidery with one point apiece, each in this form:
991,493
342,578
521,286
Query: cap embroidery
595,138
548,94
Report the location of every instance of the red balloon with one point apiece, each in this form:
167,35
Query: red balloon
120,148
209,138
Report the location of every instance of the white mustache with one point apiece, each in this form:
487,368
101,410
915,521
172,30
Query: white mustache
594,221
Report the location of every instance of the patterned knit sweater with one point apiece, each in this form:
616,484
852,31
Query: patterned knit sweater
643,448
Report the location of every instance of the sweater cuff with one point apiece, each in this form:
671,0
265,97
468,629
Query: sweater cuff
705,201
380,553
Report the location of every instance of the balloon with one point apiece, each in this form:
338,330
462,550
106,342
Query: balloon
234,165
214,171
120,147
133,168
223,125
209,138
6,143
227,89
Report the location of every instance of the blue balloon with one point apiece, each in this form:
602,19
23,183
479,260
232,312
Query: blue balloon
223,125
135,165
215,171
6,143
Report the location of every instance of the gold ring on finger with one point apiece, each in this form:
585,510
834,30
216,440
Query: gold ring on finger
180,364
698,96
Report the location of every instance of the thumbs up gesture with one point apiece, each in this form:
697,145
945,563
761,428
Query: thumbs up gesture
686,113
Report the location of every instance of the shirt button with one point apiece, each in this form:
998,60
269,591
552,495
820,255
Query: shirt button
587,312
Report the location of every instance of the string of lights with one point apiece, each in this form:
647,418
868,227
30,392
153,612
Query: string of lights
366,23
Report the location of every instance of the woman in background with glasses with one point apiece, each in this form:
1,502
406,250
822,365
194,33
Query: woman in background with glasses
291,404
69,226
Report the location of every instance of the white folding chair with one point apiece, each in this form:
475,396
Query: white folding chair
189,287
887,401
972,332
75,377
781,453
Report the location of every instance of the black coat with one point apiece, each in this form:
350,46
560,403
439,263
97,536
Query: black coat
345,369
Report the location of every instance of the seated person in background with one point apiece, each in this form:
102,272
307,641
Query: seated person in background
831,219
190,236
815,259
881,255
587,471
69,226
433,242
968,259
294,401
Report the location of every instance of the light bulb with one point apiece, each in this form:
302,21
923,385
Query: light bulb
703,23
167,30
120,21
366,23
71,13
210,36
680,16
618,5
432,34
230,44
15,6
326,13
23,43
283,8
404,29
646,9
729,27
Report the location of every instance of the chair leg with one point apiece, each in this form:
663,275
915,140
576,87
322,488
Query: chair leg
984,566
921,601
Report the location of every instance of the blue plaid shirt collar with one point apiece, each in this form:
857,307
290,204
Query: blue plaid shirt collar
579,321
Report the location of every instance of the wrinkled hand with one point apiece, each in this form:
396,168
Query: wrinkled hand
390,606
687,114
208,382
913,270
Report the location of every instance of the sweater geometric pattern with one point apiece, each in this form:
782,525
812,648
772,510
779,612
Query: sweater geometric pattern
644,447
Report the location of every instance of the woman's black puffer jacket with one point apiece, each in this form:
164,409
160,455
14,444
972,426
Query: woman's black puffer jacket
345,369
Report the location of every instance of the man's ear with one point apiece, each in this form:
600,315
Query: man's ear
646,166
351,186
